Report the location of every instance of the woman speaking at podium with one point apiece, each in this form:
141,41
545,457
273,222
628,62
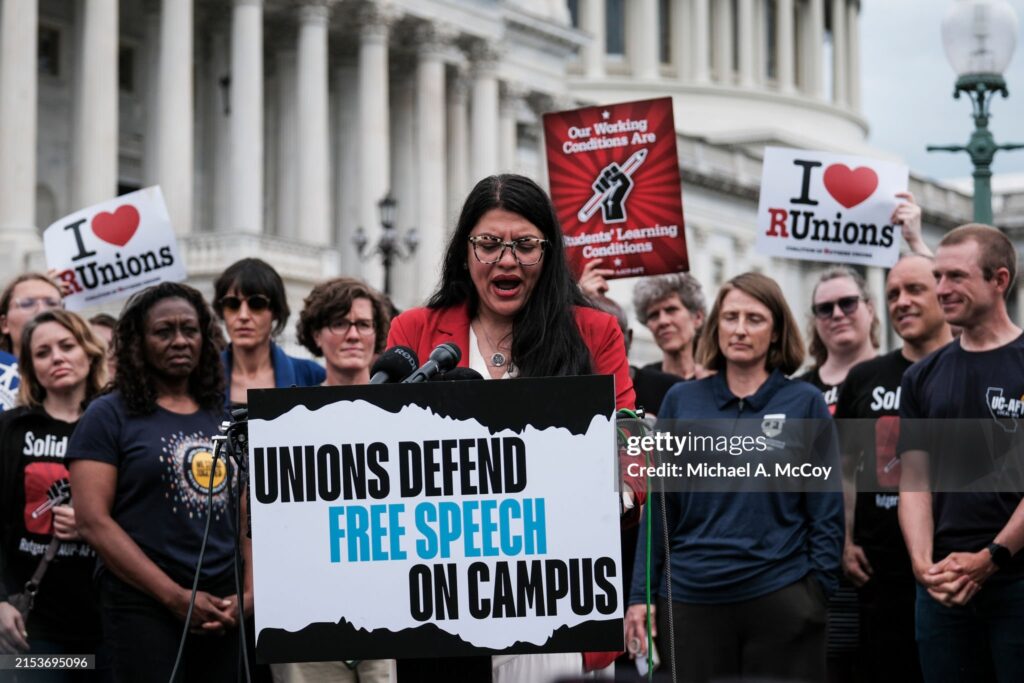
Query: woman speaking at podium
508,301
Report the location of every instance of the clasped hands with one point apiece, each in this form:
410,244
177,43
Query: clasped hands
952,582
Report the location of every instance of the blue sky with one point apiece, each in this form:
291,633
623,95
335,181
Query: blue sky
907,88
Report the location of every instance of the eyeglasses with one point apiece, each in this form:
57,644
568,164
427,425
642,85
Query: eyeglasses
343,325
27,303
847,304
526,250
257,302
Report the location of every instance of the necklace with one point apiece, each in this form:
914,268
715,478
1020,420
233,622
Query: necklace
497,358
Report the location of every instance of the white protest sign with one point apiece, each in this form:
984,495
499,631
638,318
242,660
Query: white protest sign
818,206
111,250
440,519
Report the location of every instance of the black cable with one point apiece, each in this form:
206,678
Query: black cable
199,566
239,592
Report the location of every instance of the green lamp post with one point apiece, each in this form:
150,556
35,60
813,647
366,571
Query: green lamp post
979,37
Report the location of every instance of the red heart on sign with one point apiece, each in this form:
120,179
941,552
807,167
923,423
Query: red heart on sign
850,187
118,227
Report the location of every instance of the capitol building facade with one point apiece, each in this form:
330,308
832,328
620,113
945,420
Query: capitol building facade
274,127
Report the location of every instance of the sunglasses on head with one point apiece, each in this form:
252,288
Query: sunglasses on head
824,310
257,302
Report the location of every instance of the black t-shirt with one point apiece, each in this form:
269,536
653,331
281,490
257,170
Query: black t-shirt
33,477
973,434
872,392
163,465
830,392
651,384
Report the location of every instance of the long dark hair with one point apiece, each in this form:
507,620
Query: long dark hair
545,339
134,376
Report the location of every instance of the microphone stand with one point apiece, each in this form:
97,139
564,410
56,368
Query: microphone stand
234,439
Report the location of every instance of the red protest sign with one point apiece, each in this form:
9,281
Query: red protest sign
614,174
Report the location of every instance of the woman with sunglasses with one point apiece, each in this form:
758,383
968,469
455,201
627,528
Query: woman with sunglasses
63,367
844,329
22,298
844,332
249,297
508,301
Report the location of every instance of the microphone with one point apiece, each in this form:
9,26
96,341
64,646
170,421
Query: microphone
443,358
457,375
394,365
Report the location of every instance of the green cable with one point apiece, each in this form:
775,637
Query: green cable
650,641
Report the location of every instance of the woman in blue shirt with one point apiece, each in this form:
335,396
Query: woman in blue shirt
249,297
751,563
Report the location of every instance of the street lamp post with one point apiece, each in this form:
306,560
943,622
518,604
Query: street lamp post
389,246
979,37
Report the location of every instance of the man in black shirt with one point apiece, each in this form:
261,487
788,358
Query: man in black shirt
964,545
875,558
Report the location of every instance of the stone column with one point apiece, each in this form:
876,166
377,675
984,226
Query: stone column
347,179
701,33
18,105
375,127
723,42
592,21
643,39
150,172
816,46
430,154
286,149
511,97
458,138
839,52
405,180
747,43
314,169
483,141
175,112
247,116
95,124
784,45
682,26
540,104
218,139
853,53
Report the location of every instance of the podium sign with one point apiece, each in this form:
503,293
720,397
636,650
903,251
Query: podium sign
439,519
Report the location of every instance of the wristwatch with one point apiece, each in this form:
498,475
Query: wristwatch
1000,555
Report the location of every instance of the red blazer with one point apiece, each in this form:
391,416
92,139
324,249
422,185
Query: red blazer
422,329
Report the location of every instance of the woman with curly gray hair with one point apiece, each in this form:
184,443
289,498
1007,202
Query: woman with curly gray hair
672,307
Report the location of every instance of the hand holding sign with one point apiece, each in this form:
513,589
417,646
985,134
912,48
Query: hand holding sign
908,216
